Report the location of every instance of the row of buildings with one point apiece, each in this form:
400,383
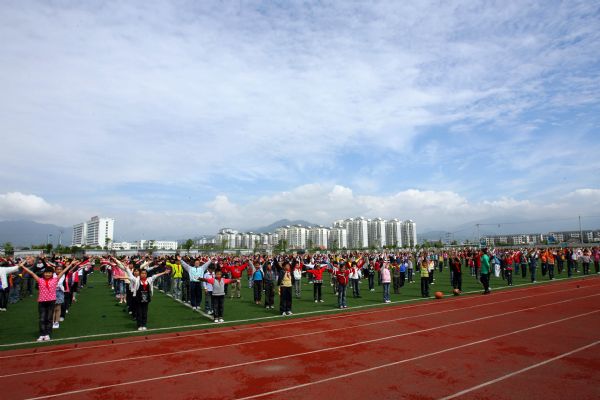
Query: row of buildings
587,236
350,233
100,231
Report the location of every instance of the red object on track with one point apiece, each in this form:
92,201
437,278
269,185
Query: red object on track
439,295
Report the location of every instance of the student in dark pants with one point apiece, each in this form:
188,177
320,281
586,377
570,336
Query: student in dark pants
218,294
270,280
424,270
532,265
285,282
455,267
485,271
257,282
142,288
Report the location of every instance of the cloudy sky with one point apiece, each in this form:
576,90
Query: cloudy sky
178,118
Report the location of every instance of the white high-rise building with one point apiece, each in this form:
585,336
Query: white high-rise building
358,233
338,238
250,240
227,238
377,233
319,237
283,234
297,237
409,233
95,232
393,231
79,234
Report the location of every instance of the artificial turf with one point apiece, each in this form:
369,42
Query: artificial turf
96,311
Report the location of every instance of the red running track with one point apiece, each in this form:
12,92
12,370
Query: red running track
538,342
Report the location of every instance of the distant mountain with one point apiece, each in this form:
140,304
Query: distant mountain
432,236
26,233
280,223
507,225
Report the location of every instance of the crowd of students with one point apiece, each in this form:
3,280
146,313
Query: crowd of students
190,279
57,280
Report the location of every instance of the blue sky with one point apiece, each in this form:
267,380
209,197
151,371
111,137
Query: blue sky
178,118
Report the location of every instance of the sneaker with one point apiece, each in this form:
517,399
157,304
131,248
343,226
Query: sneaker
283,313
316,301
322,301
221,320
40,339
46,338
216,321
289,313
144,328
140,328
55,325
61,319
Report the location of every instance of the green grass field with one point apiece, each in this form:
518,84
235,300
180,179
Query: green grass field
96,315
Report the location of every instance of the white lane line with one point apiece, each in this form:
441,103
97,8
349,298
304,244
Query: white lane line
163,377
404,361
296,322
297,335
503,377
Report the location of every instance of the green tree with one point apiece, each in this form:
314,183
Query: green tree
334,246
9,250
188,245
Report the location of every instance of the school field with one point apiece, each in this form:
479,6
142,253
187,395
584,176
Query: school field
537,341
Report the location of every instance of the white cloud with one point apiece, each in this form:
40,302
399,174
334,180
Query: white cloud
15,205
317,203
435,111
269,85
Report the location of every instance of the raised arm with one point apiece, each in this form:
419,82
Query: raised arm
185,265
64,271
153,277
119,264
204,266
30,272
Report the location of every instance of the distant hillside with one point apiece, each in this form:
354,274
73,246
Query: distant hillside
26,233
280,223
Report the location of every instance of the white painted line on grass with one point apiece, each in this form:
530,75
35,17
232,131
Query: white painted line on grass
503,377
331,348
